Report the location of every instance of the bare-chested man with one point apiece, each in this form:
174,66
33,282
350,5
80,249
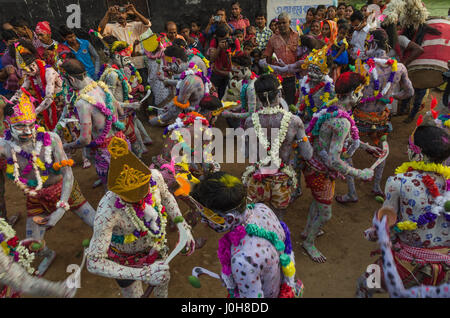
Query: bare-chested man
272,180
256,252
98,113
192,86
331,129
38,165
372,114
129,241
419,196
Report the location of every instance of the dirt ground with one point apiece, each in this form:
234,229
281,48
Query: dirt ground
347,252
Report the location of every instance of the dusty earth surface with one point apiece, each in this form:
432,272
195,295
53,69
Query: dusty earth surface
347,252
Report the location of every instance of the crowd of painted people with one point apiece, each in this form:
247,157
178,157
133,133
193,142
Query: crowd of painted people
328,86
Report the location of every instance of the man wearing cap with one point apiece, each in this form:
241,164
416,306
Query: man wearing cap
129,240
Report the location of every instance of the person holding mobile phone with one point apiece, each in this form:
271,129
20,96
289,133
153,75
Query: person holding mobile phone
220,18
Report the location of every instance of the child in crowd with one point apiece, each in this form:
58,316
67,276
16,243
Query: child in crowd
329,32
316,29
239,34
196,33
306,27
248,47
321,12
339,51
274,26
256,56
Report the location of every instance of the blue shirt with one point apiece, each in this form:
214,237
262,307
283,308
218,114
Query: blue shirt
84,56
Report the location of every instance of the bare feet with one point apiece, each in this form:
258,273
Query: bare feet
304,235
347,198
314,253
13,219
200,242
378,192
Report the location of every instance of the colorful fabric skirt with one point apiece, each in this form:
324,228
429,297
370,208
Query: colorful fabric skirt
270,189
47,198
137,260
322,185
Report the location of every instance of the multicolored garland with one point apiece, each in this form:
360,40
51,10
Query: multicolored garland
126,87
43,139
194,70
439,200
106,109
137,216
10,246
235,237
369,66
326,114
308,94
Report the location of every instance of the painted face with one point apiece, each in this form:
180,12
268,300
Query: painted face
239,72
174,65
23,133
121,61
315,74
31,70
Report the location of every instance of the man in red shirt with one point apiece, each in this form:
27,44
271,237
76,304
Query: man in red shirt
284,45
222,47
237,20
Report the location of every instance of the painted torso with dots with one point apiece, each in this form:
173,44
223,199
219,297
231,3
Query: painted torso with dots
408,195
255,263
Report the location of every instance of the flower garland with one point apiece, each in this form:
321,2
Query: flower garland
308,94
238,234
369,66
439,200
10,246
137,217
42,138
273,155
126,87
194,70
106,109
184,120
326,114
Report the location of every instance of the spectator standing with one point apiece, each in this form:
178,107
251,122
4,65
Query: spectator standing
83,50
129,32
197,33
310,14
237,20
349,10
331,13
285,46
215,21
263,33
220,50
50,49
192,42
22,28
361,29
340,13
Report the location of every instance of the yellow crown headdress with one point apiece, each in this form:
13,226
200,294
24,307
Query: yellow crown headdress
128,176
318,58
24,111
20,50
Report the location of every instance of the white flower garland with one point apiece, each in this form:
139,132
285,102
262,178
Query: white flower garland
439,204
35,154
25,257
273,155
305,82
160,239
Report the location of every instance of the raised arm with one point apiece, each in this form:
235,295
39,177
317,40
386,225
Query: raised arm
51,76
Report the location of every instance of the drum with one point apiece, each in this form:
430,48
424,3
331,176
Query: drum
426,71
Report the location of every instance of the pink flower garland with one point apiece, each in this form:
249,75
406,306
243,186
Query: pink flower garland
224,252
332,112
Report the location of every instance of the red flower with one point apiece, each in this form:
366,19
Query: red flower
431,186
286,291
13,242
260,191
